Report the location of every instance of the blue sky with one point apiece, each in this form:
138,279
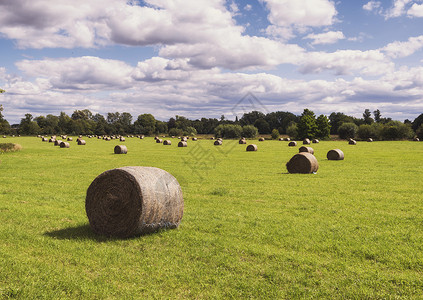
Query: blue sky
200,57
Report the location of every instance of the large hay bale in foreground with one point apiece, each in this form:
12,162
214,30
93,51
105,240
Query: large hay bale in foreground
81,142
306,149
64,145
120,149
292,144
335,154
167,142
131,201
182,144
306,142
303,163
252,147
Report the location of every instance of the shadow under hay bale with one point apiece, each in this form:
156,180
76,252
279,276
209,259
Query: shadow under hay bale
242,141
64,145
120,149
292,144
167,142
131,201
81,142
252,147
182,144
218,143
303,163
335,154
306,142
306,149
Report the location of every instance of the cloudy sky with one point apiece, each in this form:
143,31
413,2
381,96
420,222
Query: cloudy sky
202,57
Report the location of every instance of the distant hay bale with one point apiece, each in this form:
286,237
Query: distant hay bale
120,149
261,139
122,139
184,139
370,140
242,141
306,149
64,137
70,139
64,145
303,163
142,137
280,139
335,154
287,139
416,139
194,139
81,142
4,136
51,140
252,147
156,137
44,139
352,142
218,143
306,141
57,142
315,141
132,201
158,141
292,144
167,142
212,138
182,144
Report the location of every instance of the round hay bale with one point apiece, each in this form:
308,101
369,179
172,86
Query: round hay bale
303,163
416,139
306,149
57,142
315,141
280,139
370,140
158,141
120,149
212,138
122,139
4,136
156,137
335,154
167,142
261,139
242,141
182,144
51,140
64,145
131,201
218,143
70,139
287,139
306,141
141,137
352,142
184,139
44,139
252,147
81,142
194,139
292,144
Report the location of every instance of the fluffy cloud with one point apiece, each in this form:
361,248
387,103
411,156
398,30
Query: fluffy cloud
403,49
416,10
398,9
372,5
329,37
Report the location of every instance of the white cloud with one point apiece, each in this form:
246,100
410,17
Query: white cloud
329,37
416,10
398,9
403,49
248,7
372,5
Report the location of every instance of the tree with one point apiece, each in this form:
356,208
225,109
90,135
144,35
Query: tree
275,134
2,91
323,127
419,132
307,126
280,120
4,125
292,130
337,119
64,123
28,126
262,126
182,123
249,131
251,117
377,115
145,124
347,130
417,122
367,117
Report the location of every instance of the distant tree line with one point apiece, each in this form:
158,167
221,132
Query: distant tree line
249,125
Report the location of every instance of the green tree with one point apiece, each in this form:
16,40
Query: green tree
367,117
366,131
28,126
191,131
251,117
4,125
161,127
249,131
280,120
145,124
377,115
347,130
64,123
292,130
307,126
323,127
417,122
337,119
275,134
419,132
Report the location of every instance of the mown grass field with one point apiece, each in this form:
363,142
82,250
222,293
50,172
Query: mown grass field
354,230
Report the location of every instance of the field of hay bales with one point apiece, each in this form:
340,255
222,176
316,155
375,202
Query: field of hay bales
250,229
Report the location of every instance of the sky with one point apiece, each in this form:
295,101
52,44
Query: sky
207,58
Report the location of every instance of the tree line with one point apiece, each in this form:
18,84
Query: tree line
249,125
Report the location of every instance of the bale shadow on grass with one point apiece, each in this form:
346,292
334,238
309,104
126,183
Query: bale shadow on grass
84,232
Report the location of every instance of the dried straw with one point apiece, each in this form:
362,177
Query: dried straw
121,149
167,142
306,142
182,144
131,201
335,154
218,143
81,142
252,147
303,162
242,141
292,144
64,145
306,149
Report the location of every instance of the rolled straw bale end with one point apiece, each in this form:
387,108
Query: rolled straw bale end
306,149
335,154
131,201
416,139
70,139
370,140
194,139
81,142
218,143
292,144
352,142
158,141
261,139
303,162
287,139
167,142
64,145
242,141
315,141
306,142
252,147
182,144
121,149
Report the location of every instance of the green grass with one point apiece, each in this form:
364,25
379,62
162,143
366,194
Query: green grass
354,230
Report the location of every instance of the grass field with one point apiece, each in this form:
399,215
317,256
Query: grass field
354,230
